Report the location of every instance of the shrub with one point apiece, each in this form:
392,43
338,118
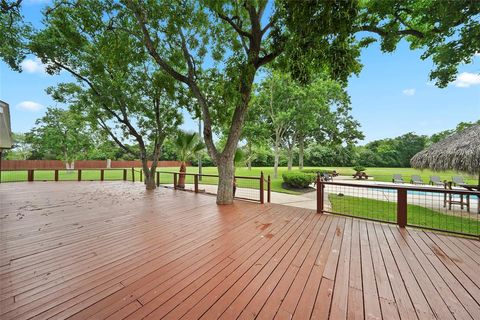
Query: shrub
315,171
359,168
298,179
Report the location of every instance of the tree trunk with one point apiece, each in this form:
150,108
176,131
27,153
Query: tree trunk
149,179
290,158
300,153
149,175
276,152
181,178
225,181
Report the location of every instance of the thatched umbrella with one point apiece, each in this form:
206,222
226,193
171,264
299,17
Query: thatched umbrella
460,152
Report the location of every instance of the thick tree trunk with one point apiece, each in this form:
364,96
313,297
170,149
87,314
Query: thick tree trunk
300,153
225,181
276,152
181,178
149,179
149,174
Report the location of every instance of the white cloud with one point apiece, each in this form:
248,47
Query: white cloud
467,79
409,92
33,66
29,106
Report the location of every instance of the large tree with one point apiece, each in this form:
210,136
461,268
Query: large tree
60,134
221,45
117,86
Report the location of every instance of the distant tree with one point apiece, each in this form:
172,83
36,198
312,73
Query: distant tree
60,134
21,149
436,137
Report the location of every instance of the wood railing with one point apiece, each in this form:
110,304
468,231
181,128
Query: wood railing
247,187
449,210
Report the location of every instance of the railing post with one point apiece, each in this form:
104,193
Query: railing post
56,174
79,175
195,181
402,207
141,175
133,174
269,188
30,175
175,181
262,191
158,179
102,174
124,174
320,187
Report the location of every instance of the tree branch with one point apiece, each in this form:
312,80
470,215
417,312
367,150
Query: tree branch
236,27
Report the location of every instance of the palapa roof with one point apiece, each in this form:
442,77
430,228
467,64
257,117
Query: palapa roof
459,151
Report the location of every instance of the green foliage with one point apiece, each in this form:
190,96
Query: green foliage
13,33
359,168
298,179
317,171
188,145
21,149
60,134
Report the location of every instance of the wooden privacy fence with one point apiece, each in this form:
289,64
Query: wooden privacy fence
79,164
453,211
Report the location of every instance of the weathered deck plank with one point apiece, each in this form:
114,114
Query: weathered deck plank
112,250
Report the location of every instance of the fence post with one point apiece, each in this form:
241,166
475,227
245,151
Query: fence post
56,174
402,207
124,174
195,181
175,181
262,191
102,174
133,174
30,175
141,175
79,175
269,188
320,187
158,179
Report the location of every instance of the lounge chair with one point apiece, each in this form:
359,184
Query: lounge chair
397,178
436,181
416,179
458,181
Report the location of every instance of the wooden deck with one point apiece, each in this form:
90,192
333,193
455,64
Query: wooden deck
112,250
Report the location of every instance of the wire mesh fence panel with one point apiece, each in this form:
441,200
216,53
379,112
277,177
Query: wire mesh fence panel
13,176
247,188
450,211
208,184
44,175
368,203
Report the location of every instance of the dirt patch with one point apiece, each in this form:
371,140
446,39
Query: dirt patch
269,236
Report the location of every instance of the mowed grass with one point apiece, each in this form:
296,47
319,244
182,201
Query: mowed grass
378,174
417,215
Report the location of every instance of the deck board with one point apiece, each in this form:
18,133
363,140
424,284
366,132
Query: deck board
112,250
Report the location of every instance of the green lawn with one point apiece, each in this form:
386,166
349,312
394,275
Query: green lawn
379,174
417,215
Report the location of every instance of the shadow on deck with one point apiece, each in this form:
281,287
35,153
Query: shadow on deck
112,249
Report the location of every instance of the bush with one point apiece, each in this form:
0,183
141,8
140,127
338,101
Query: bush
315,171
298,179
359,168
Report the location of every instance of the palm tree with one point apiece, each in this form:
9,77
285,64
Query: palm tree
188,146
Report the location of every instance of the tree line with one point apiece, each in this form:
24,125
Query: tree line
137,65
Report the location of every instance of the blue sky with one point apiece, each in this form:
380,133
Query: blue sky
390,97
